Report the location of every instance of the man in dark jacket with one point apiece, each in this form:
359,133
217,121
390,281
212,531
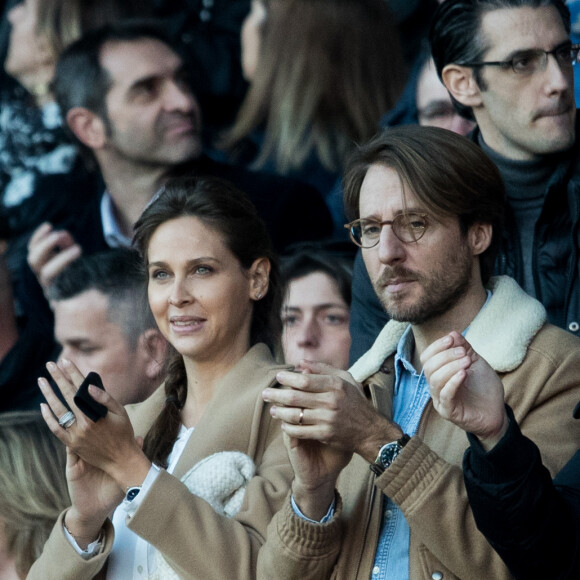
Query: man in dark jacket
511,64
124,93
532,522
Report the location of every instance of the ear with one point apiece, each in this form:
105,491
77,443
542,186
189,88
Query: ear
460,82
87,127
153,350
259,275
479,237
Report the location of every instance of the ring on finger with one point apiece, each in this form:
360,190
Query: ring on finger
301,417
67,420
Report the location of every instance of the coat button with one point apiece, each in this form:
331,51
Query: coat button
573,327
205,15
437,575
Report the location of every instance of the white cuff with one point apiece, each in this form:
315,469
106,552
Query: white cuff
131,507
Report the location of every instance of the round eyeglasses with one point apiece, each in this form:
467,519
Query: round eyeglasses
407,227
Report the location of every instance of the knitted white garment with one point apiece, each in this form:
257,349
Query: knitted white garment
219,479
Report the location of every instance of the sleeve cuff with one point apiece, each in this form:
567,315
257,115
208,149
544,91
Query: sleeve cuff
131,507
328,516
511,457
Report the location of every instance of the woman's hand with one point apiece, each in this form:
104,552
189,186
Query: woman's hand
107,444
94,495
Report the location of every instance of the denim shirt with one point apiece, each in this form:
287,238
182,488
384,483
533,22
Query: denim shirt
411,395
410,398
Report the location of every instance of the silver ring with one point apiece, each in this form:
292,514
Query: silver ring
67,420
301,417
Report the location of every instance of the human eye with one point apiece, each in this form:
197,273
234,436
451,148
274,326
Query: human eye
144,90
158,274
87,349
414,222
436,111
566,54
336,318
526,62
203,270
289,319
370,229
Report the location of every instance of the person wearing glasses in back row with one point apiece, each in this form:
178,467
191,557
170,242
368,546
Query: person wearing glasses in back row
511,62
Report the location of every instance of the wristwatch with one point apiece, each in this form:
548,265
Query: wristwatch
132,493
388,454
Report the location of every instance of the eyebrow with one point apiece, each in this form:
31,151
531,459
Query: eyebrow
192,262
374,217
324,306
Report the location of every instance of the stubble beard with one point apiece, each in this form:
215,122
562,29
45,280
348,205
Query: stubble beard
441,290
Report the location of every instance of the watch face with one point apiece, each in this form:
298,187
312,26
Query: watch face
389,452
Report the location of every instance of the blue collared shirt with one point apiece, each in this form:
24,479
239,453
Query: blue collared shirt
111,230
410,398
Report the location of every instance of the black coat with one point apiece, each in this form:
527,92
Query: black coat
532,522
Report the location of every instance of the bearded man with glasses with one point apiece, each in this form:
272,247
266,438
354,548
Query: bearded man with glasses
378,491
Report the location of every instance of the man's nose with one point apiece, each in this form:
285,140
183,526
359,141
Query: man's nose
390,248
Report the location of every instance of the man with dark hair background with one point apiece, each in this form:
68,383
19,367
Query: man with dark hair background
103,323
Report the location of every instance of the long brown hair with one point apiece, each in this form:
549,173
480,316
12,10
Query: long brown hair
224,208
327,71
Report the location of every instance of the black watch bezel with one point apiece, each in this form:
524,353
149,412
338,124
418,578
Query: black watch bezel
387,454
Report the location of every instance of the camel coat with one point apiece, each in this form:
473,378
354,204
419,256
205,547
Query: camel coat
196,541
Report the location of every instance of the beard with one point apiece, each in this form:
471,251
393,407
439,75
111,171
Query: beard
442,288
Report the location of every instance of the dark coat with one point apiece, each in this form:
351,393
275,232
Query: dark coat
532,522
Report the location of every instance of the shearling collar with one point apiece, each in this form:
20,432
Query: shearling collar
501,332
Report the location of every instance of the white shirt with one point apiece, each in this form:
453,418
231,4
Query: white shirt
132,558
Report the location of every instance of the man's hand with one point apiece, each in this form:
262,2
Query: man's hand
335,410
50,252
465,389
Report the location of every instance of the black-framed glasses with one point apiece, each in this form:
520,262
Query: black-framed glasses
408,227
527,62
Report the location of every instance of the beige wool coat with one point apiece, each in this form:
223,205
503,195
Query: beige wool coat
196,541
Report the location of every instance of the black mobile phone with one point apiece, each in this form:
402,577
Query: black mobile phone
86,403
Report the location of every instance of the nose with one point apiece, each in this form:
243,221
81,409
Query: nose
559,78
178,98
179,294
390,248
309,335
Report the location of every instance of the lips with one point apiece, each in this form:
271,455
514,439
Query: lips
397,284
555,111
179,125
186,324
